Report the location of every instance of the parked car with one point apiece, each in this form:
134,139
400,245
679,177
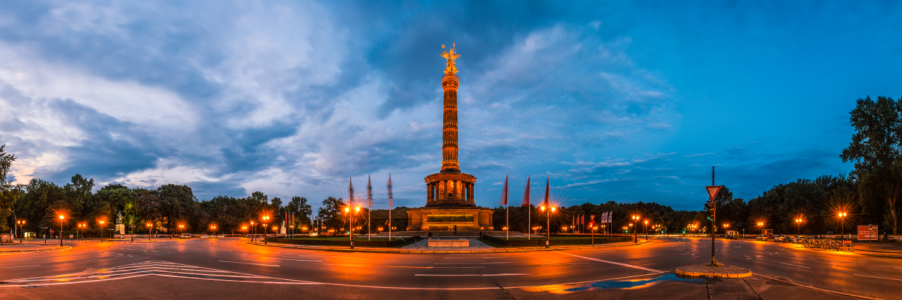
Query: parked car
185,236
221,236
761,237
779,238
205,236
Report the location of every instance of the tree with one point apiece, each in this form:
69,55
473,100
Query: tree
331,213
876,149
302,211
8,192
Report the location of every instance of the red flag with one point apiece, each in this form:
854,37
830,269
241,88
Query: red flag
547,185
504,193
526,194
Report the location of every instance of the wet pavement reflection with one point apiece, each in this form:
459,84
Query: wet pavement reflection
614,284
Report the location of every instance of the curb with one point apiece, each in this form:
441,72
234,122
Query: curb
417,251
712,274
57,249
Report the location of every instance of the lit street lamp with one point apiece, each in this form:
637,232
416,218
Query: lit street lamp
213,229
635,233
21,224
265,221
646,230
255,232
62,218
351,223
81,226
842,222
761,228
548,225
102,224
798,226
149,230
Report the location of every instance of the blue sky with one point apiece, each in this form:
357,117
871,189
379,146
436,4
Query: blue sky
623,101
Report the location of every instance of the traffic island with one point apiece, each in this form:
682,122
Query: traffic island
721,271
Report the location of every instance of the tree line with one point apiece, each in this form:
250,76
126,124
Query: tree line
869,194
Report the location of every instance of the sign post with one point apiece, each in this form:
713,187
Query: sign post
711,207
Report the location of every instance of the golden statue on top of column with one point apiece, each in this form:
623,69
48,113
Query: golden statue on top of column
451,55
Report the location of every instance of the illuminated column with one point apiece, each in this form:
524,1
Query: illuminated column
449,128
458,191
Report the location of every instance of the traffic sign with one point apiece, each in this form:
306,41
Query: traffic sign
713,190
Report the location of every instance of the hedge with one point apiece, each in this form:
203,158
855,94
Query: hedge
540,242
346,243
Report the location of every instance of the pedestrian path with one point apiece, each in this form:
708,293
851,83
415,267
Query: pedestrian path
148,268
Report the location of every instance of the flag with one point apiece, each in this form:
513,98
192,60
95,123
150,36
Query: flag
547,185
389,191
573,221
351,192
526,194
504,193
369,193
593,219
582,219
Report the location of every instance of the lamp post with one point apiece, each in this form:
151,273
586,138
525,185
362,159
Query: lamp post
636,234
842,226
61,229
798,226
103,225
213,229
265,222
181,229
646,230
351,223
149,230
255,231
81,227
548,212
21,224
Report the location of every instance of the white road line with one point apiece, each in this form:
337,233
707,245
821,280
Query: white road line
795,265
20,266
470,275
310,260
247,263
896,279
613,263
472,263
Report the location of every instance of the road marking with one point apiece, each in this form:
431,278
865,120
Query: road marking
795,265
247,263
470,275
20,266
310,260
896,279
614,263
472,263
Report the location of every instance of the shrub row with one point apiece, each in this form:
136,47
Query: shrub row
540,242
346,243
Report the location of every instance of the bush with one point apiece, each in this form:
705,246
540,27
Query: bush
555,241
346,243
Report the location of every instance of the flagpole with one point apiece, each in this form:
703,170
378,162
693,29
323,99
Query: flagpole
369,208
528,209
389,207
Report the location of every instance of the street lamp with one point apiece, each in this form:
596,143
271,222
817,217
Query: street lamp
842,222
62,217
646,230
81,226
351,223
255,232
548,224
798,226
181,228
21,224
265,221
636,234
213,229
149,230
102,224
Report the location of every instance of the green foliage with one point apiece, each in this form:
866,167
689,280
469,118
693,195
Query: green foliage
302,211
8,192
876,149
331,213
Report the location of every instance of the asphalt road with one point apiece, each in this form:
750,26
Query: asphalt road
229,268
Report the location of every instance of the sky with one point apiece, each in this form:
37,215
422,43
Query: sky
607,100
